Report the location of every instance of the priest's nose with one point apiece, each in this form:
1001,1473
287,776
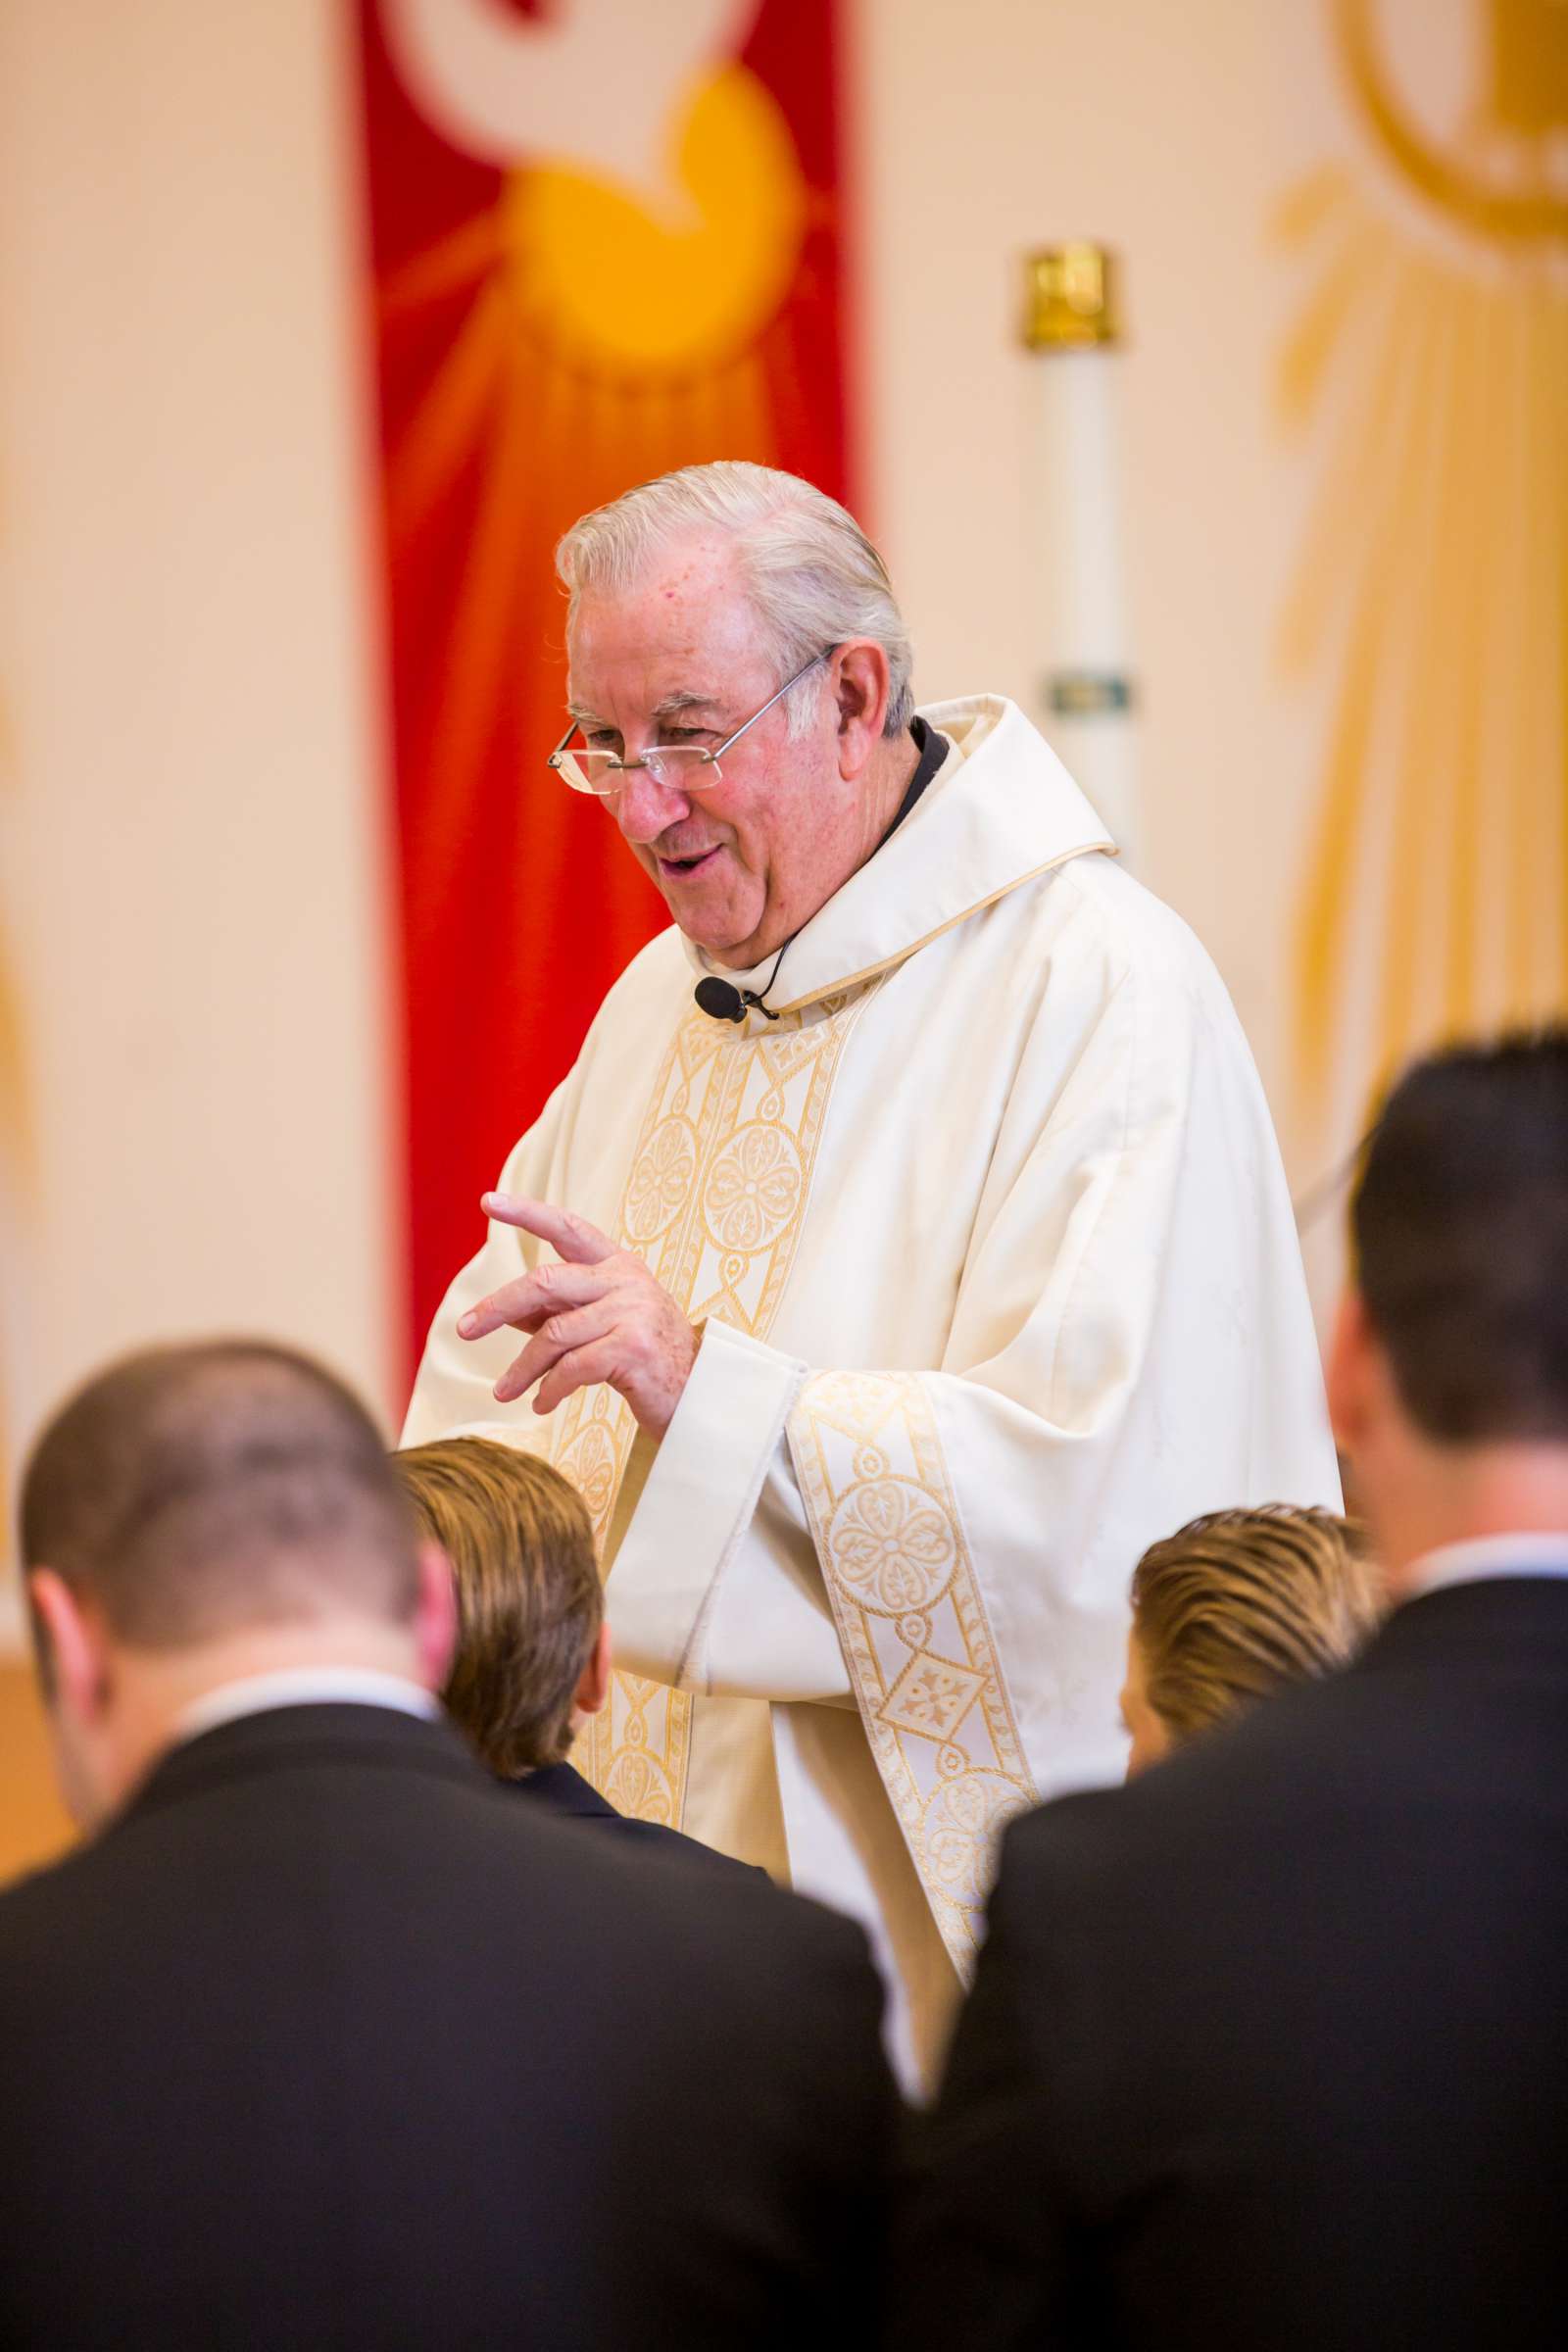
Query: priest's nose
644,808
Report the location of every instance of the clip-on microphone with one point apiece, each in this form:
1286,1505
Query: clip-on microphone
722,1001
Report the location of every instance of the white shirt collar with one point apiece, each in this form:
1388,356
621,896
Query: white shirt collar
303,1686
1528,1554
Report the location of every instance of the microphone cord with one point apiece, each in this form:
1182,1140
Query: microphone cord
722,1001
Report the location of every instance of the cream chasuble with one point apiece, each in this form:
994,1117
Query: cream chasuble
997,1280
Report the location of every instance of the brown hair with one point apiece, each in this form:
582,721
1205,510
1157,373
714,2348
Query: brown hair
1239,1602
199,1490
1460,1230
529,1599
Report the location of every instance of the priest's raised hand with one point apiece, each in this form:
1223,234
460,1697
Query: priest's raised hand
596,1316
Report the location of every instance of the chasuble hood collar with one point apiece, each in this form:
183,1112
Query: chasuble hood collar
999,810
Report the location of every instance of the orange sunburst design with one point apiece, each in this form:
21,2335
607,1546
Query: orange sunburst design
508,399
551,328
599,337
1431,585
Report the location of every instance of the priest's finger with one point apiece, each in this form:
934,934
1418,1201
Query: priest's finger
570,1236
525,1303
579,1369
560,1334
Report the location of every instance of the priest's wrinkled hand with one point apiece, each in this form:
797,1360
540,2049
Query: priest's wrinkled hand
599,1315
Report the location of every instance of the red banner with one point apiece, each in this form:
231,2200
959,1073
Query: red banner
606,241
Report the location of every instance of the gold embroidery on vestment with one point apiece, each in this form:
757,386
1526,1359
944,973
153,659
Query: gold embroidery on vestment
636,1749
913,1622
714,1202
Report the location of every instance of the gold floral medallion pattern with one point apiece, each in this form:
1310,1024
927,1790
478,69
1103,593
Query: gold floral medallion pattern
635,1750
713,1200
910,1616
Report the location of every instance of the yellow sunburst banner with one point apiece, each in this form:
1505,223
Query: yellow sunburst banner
1427,372
607,242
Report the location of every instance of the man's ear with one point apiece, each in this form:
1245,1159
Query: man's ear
859,686
73,1668
593,1684
435,1617
1349,1372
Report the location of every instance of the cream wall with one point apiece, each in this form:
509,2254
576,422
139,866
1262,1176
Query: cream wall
1165,133
194,862
1406,511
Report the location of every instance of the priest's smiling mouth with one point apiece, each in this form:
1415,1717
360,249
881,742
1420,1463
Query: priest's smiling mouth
681,867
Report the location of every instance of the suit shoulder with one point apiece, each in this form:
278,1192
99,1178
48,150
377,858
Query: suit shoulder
729,1943
742,1892
797,1930
806,1942
688,1898
40,1905
1080,1828
1094,1833
1297,1752
659,1839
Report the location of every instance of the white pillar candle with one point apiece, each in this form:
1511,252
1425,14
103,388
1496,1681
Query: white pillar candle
1082,689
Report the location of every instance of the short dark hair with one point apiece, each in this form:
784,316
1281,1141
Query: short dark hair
529,1599
1460,1233
1239,1603
203,1490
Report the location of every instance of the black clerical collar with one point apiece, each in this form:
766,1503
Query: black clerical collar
933,750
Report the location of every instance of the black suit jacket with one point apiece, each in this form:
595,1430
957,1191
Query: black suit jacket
328,2041
561,1789
1270,2050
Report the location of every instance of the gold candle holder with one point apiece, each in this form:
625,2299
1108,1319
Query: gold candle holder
1071,298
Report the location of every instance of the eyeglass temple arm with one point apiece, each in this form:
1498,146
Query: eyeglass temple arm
826,655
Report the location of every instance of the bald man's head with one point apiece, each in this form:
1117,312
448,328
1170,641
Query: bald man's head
192,1493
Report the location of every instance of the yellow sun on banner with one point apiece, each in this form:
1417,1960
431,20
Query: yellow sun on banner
612,287
608,336
1433,587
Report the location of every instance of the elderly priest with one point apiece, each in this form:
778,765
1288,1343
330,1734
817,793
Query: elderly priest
908,1249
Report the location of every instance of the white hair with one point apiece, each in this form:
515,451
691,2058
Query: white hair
813,579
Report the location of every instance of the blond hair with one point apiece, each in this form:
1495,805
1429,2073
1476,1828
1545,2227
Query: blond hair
1239,1602
814,577
529,1599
